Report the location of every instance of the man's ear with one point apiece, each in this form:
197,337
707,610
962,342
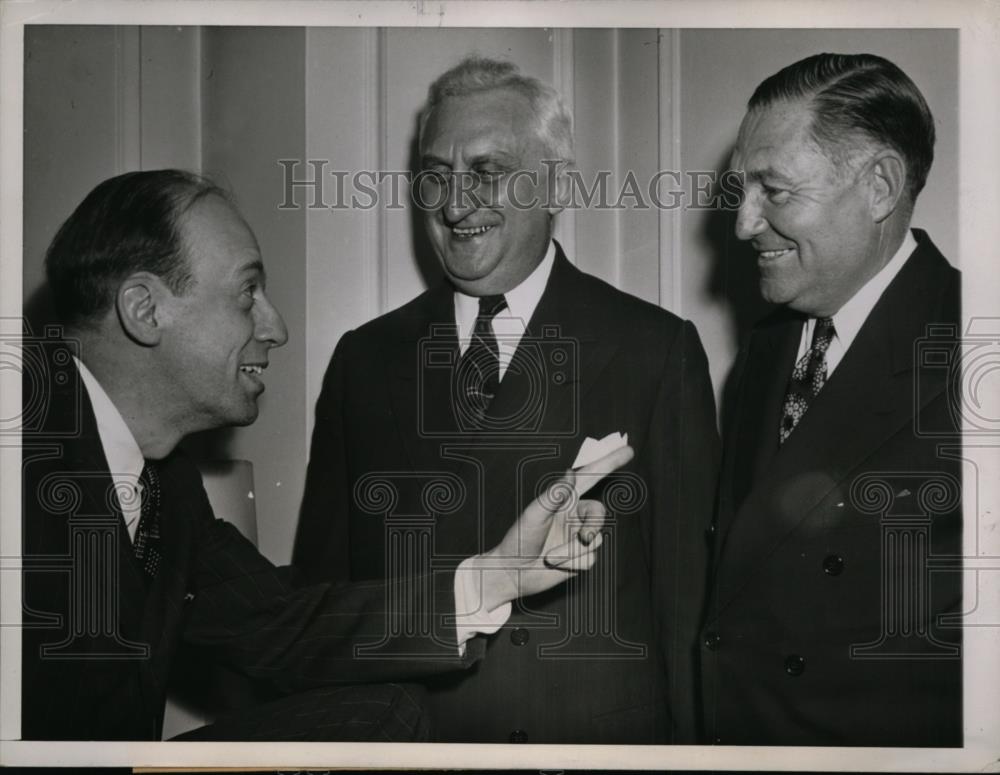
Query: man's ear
888,180
139,304
560,188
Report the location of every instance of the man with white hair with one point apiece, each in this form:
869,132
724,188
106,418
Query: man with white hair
510,367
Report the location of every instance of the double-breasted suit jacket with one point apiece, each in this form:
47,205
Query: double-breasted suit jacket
837,554
98,644
609,656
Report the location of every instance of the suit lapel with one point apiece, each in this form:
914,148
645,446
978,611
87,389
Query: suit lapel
867,399
84,457
540,394
771,358
419,370
565,348
559,357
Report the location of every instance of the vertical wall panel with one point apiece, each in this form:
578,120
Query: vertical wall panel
99,101
343,130
669,215
253,97
73,111
128,89
170,97
596,125
638,141
564,81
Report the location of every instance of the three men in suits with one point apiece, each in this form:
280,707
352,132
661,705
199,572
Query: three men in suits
483,385
833,616
161,288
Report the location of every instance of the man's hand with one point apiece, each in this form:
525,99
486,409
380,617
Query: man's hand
556,537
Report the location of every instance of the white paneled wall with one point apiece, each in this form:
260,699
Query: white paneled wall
236,101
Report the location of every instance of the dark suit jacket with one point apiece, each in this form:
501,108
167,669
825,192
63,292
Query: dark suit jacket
98,646
824,625
608,657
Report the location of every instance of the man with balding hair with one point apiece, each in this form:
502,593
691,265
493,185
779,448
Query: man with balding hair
161,287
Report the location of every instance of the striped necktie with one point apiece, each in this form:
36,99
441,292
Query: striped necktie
479,369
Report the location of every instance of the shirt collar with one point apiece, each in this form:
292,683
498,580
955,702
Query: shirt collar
847,321
521,301
120,448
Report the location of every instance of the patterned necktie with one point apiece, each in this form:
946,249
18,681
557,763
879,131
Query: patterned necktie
808,378
479,369
147,533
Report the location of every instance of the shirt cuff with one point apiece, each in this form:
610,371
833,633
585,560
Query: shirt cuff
471,618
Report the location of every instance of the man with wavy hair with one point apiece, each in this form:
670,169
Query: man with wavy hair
826,626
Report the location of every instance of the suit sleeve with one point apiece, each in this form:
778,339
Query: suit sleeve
322,543
298,637
683,458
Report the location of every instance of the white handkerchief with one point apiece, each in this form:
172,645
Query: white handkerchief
592,449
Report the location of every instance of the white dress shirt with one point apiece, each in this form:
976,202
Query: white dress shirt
125,462
847,321
509,324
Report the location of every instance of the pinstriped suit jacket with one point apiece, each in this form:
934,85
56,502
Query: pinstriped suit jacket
98,645
609,656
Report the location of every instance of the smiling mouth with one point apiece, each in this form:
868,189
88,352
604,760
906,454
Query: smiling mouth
469,233
253,369
770,255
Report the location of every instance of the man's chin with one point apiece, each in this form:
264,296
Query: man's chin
246,416
774,292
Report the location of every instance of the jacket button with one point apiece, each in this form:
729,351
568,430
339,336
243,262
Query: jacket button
710,532
833,565
795,665
519,636
712,640
519,736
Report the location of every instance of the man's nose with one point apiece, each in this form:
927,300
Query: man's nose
270,327
462,195
749,219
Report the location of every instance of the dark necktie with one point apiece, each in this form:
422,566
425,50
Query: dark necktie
479,369
147,533
808,378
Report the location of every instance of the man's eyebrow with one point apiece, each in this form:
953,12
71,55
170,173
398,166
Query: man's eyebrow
252,266
501,157
498,156
429,158
768,173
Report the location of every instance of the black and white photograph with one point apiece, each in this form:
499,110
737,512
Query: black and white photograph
500,385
